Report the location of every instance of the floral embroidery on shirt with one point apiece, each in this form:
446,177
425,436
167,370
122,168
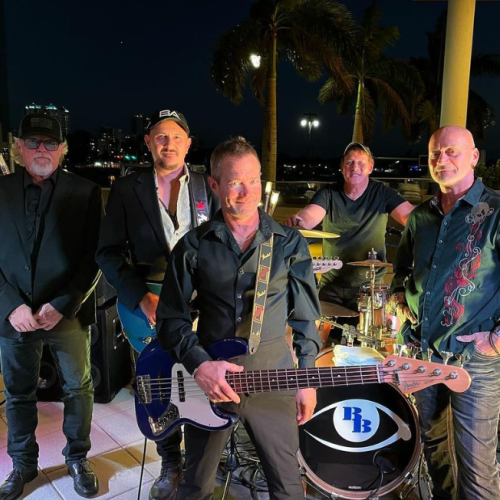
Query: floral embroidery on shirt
460,283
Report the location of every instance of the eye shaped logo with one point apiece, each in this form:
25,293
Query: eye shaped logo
358,420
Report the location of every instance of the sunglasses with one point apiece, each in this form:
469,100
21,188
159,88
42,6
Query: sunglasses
32,143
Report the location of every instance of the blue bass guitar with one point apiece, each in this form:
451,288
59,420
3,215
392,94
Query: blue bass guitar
168,396
135,325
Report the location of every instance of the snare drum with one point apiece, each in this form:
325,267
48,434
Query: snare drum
348,431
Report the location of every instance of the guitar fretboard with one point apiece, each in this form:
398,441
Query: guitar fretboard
293,379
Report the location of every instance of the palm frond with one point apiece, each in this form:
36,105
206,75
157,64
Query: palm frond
231,59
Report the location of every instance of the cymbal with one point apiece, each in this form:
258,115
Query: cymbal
328,309
315,233
369,263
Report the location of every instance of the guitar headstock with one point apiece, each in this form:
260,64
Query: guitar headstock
413,375
322,265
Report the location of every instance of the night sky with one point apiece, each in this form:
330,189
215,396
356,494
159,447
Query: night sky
106,60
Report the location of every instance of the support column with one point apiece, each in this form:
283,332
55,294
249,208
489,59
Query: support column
457,60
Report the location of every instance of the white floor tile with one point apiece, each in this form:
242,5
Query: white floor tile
124,400
117,472
40,488
121,426
52,444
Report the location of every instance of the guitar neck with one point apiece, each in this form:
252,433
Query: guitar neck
293,379
410,375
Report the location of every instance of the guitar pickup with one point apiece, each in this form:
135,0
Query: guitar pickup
180,383
144,389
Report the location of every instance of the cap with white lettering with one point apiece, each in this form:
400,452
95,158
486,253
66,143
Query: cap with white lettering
167,114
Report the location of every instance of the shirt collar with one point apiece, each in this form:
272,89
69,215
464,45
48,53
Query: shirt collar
217,225
52,179
472,197
182,179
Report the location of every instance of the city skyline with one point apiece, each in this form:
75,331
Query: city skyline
105,64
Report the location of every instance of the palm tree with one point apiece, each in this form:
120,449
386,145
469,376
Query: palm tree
310,34
427,112
373,80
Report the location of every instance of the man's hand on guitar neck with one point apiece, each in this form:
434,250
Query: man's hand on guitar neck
148,306
305,400
211,377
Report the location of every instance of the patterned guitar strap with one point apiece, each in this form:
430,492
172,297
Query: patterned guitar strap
199,198
259,300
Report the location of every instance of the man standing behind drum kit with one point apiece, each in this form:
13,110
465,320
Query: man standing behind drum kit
447,287
357,211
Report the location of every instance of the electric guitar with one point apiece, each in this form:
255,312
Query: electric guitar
167,396
136,326
323,265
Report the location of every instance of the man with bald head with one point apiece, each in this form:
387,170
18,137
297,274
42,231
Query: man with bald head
447,288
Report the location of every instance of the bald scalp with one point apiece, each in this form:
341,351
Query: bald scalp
454,132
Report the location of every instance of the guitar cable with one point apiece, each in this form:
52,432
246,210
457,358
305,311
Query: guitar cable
142,468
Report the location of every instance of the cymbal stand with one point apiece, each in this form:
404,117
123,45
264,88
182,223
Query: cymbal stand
232,463
372,255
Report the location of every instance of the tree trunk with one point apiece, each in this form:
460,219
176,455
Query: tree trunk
269,128
357,133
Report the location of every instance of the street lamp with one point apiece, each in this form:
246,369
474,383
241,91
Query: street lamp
310,121
255,60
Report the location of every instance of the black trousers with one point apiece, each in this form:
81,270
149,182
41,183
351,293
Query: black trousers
169,449
270,420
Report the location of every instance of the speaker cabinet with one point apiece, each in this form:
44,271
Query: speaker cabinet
110,355
104,291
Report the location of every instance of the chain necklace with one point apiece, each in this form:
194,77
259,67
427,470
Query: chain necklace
242,241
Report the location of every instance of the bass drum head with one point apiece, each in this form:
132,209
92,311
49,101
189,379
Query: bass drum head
347,433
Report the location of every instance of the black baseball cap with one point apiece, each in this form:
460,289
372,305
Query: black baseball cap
41,124
167,114
355,145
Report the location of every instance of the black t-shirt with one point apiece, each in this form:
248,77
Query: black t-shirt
361,224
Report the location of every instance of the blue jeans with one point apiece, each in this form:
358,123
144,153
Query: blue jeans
459,432
21,369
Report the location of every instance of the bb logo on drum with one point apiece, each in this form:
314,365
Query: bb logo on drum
357,421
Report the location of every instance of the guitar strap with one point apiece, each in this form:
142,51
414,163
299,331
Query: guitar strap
199,198
259,300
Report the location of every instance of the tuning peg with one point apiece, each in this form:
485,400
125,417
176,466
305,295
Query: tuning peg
461,359
446,355
400,349
429,354
415,351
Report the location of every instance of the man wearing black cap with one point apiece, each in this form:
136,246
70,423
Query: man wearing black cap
49,231
147,213
357,211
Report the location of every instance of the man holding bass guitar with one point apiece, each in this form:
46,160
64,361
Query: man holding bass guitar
147,212
234,262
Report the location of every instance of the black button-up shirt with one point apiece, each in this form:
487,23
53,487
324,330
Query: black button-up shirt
452,266
36,205
209,261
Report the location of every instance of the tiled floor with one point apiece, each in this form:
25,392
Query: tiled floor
117,447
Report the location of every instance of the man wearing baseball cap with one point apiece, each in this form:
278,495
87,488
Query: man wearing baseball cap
357,210
148,211
49,231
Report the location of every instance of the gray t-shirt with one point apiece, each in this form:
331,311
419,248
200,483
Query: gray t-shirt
361,224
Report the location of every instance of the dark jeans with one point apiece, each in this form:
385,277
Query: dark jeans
21,370
270,420
459,431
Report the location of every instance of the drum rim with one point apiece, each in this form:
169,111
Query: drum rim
361,494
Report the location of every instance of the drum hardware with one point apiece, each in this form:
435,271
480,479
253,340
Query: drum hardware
329,309
232,462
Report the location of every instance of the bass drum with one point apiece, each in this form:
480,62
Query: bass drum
356,432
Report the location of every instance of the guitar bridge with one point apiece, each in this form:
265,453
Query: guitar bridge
144,389
166,420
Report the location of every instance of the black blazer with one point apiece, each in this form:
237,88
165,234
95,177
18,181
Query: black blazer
132,244
66,272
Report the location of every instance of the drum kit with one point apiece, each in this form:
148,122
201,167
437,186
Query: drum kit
363,441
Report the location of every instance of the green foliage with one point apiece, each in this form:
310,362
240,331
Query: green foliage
489,175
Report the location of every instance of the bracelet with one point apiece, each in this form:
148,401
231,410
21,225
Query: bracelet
194,372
